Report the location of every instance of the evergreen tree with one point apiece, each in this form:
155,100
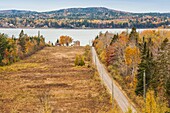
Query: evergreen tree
3,47
134,36
38,41
96,37
57,41
114,39
147,64
22,41
21,34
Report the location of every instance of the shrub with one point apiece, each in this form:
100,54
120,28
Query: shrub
87,53
129,110
79,61
82,63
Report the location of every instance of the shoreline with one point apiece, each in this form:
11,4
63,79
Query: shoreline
86,28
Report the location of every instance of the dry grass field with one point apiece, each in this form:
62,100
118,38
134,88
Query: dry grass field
48,82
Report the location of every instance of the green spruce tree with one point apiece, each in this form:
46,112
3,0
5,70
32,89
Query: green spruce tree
3,46
22,41
147,65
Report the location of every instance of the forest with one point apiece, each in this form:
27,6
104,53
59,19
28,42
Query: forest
13,49
140,63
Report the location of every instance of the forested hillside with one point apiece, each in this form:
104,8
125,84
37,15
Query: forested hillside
139,62
13,49
91,17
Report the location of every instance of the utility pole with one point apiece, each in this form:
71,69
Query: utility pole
95,60
102,76
112,94
144,85
144,88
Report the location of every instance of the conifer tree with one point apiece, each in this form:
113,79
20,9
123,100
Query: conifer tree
3,46
22,41
21,34
114,39
134,36
147,64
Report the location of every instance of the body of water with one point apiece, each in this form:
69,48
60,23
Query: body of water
83,35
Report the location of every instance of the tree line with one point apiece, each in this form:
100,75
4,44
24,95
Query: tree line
14,49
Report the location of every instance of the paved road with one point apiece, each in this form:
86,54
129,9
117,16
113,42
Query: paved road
118,95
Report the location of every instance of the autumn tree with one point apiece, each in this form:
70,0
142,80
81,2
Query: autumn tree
153,105
65,40
116,53
12,49
162,72
128,56
87,53
150,103
132,58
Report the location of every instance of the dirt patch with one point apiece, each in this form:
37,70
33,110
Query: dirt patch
61,85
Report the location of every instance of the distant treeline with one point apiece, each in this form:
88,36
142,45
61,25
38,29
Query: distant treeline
13,49
73,24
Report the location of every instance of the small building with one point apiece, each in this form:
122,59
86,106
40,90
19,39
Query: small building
57,44
76,43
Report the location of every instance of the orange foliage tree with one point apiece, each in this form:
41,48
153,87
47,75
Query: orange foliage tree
65,40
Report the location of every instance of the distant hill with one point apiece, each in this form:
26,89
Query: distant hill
78,13
82,18
88,13
16,12
70,13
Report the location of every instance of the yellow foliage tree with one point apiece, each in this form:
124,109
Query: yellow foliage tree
153,104
150,103
99,46
103,56
132,58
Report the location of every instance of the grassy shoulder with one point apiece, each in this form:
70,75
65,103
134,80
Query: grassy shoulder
87,56
49,81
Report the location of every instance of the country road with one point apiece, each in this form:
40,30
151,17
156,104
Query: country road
118,94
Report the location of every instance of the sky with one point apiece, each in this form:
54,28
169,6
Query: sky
122,5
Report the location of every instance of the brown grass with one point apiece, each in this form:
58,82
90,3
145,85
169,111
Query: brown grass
48,82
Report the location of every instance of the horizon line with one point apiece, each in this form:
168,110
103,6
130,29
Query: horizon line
79,7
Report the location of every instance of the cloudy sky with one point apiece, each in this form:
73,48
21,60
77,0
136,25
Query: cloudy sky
123,5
